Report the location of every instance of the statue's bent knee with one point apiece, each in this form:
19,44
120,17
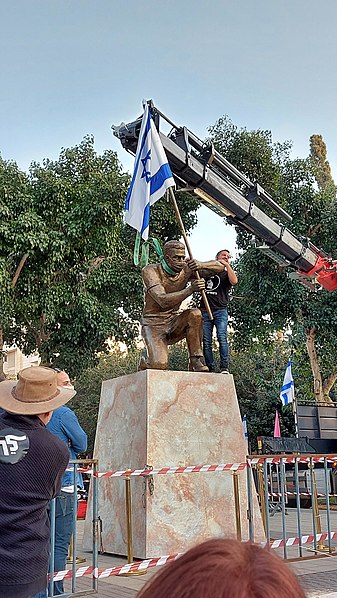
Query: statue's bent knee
194,314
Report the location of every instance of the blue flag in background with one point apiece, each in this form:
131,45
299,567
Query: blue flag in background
151,177
287,390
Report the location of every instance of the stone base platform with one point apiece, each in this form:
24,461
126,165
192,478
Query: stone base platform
168,418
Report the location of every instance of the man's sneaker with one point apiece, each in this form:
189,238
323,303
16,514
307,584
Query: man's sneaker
224,371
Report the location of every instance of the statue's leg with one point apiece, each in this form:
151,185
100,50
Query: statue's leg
156,345
188,324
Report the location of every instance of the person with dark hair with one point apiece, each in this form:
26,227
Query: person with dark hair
167,284
225,568
65,425
217,288
32,463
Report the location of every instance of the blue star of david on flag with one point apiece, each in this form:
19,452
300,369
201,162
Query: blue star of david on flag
146,173
151,177
287,390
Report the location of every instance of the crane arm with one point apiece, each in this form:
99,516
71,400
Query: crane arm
199,169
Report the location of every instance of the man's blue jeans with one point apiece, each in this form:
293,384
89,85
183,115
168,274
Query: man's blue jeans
42,594
220,321
64,527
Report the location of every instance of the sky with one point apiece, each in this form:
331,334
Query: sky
74,67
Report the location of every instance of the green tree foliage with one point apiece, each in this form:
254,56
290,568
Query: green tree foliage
78,285
258,373
318,156
265,300
21,232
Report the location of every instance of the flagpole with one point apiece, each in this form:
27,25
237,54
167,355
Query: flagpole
183,231
295,414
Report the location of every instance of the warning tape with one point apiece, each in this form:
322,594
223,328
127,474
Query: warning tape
119,570
303,540
168,470
163,560
207,468
307,494
298,459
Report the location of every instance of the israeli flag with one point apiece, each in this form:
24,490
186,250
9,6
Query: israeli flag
287,390
151,177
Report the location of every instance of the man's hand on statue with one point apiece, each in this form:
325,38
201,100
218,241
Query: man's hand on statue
198,284
193,264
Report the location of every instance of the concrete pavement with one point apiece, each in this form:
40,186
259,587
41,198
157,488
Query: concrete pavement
318,575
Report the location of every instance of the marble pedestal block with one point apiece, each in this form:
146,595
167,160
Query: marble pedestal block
168,418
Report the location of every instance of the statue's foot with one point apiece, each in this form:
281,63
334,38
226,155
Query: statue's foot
197,364
143,364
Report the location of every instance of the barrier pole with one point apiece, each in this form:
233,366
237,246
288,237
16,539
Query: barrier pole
266,499
52,548
327,503
95,523
128,510
298,507
320,546
262,496
283,505
237,505
250,510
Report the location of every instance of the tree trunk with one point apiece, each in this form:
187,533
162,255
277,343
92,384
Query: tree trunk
320,394
328,384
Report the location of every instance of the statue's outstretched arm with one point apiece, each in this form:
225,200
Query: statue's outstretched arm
206,269
166,300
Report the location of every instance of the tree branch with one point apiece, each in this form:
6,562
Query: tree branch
18,270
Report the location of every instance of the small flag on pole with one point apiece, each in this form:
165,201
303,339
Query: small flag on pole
277,430
287,390
151,177
245,431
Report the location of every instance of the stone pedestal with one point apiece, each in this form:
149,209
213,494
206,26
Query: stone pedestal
166,418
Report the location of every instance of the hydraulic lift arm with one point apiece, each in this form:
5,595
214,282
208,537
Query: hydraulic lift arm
202,171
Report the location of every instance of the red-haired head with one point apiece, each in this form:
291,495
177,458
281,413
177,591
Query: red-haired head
224,568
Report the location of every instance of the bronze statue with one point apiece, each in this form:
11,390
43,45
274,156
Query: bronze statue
165,289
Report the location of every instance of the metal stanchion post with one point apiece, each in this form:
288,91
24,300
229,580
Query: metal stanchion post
320,546
327,503
237,504
250,510
71,554
262,496
128,510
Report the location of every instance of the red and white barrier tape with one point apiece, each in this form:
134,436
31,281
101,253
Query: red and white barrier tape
307,494
293,459
167,470
119,570
207,468
163,560
303,540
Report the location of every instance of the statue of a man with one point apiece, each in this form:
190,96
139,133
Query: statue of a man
166,286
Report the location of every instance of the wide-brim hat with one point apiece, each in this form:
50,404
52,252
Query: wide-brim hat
34,392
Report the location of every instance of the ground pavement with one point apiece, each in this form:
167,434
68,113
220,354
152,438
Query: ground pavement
318,576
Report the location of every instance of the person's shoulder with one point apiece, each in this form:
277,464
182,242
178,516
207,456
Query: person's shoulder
151,272
61,412
150,268
53,444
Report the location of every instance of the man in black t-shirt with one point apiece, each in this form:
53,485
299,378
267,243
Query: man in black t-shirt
32,463
217,288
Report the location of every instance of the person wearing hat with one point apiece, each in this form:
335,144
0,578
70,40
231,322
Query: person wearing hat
32,463
65,425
